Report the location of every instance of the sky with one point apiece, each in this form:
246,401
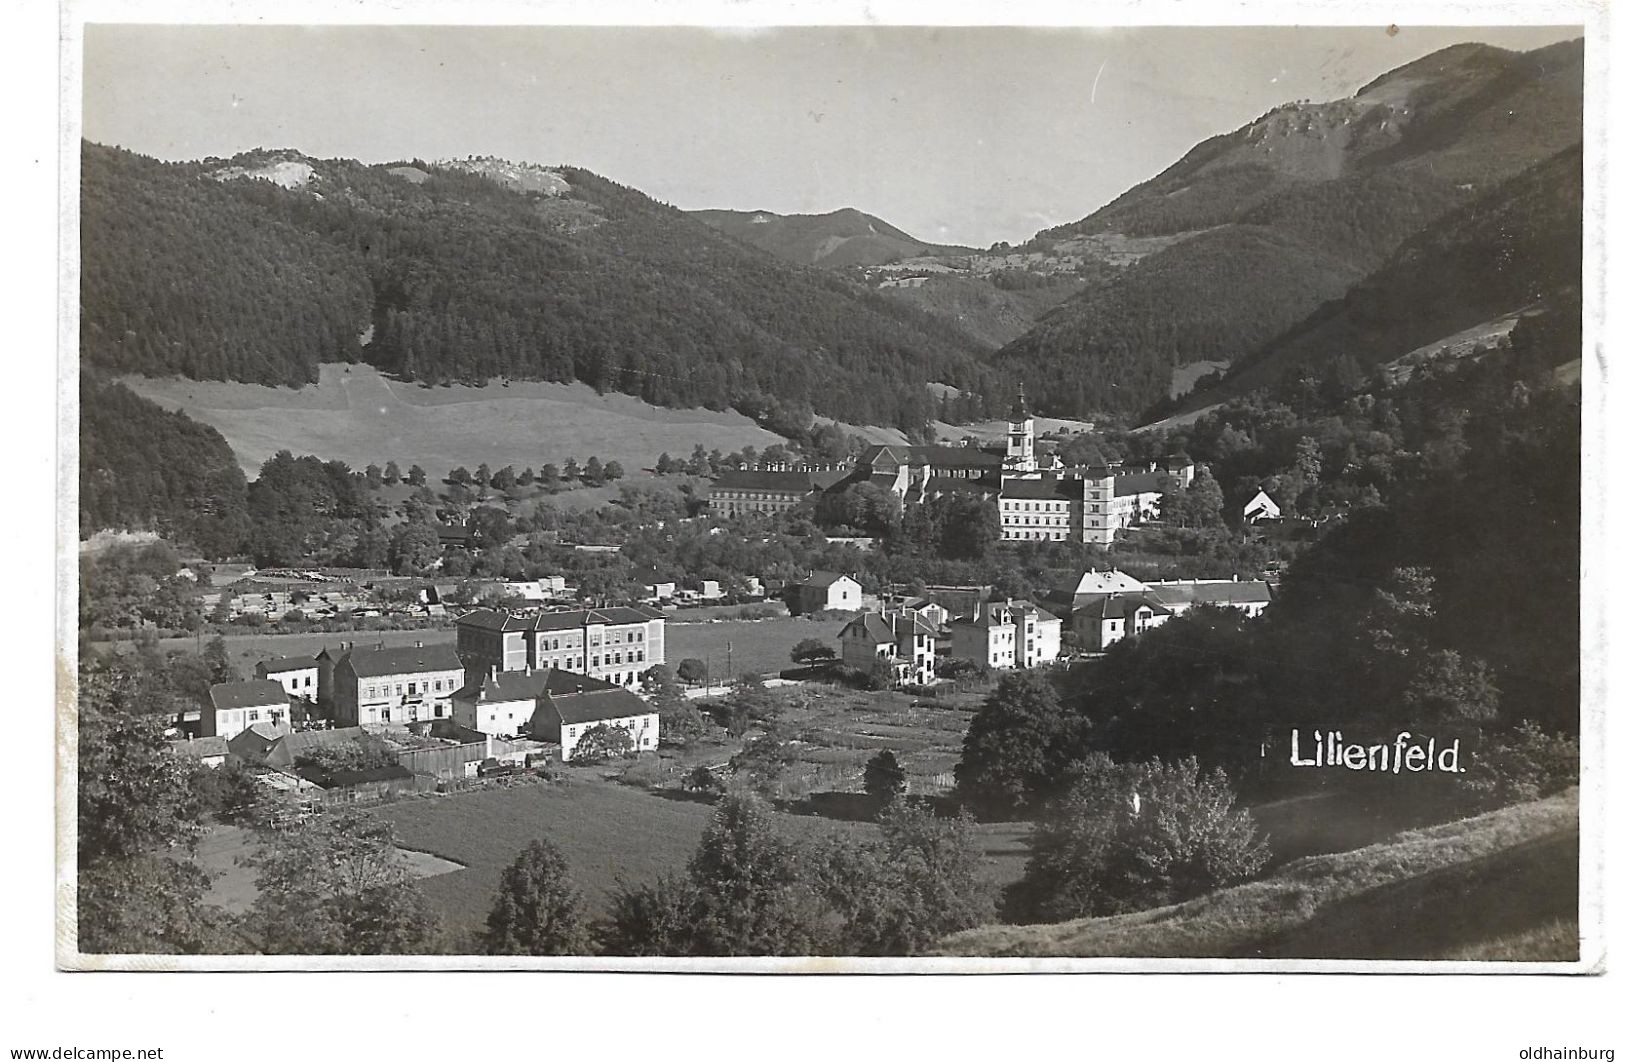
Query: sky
956,135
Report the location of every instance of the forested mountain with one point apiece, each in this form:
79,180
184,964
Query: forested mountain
141,466
1289,212
1514,248
460,277
845,237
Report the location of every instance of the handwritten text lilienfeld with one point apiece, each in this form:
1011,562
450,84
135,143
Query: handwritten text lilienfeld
1406,752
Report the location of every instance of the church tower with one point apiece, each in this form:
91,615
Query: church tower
1020,455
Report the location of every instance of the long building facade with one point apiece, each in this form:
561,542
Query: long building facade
616,645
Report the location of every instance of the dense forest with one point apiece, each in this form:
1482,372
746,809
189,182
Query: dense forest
1292,211
1514,247
455,278
143,467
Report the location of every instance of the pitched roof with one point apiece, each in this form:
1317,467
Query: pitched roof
1124,483
822,580
794,481
987,617
201,748
581,617
892,626
529,685
934,454
1214,592
1045,488
1119,606
404,660
255,693
595,706
1093,582
283,664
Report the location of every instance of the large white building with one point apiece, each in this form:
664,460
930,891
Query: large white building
614,644
236,706
375,686
1107,606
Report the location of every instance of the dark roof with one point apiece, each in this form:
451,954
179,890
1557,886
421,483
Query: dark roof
255,693
1137,482
933,454
1046,488
530,685
404,660
1120,605
201,748
595,706
822,580
891,626
1215,592
986,619
285,663
303,740
796,481
494,620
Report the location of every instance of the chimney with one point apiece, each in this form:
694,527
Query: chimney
493,672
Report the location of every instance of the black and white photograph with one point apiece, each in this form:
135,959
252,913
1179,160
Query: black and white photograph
827,498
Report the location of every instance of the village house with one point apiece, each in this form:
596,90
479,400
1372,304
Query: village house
1009,634
614,644
501,703
409,684
903,642
299,675
566,710
1106,606
235,706
279,746
1261,508
1110,619
822,591
653,585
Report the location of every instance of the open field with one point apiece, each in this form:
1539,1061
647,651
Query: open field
759,645
355,414
608,832
762,646
1501,885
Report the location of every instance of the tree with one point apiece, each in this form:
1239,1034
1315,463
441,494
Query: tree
665,465
392,473
763,761
602,742
884,778
414,549
337,885
538,910
593,474
416,477
680,721
527,477
811,650
750,893
703,779
572,469
1015,746
503,479
218,658
460,476
482,475
549,477
692,670
1133,836
918,884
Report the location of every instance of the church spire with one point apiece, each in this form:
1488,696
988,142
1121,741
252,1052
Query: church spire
1018,412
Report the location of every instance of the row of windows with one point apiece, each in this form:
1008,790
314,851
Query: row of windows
641,723
409,689
1037,507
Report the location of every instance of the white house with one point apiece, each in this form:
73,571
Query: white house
565,714
236,706
904,641
1261,508
1009,634
299,675
410,683
822,591
1105,621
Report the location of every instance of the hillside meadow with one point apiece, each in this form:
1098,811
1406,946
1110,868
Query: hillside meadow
1503,885
357,415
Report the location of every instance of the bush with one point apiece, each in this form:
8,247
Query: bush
1127,837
